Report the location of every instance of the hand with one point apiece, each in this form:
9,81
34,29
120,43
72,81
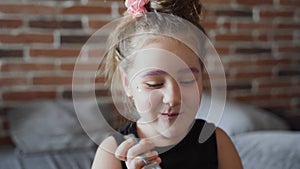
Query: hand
131,153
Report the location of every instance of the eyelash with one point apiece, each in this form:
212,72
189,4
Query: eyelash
161,84
154,85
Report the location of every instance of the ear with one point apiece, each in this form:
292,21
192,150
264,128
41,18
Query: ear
125,82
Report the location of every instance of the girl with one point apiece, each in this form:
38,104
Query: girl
155,52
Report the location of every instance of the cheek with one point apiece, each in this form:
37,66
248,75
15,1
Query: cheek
191,98
147,101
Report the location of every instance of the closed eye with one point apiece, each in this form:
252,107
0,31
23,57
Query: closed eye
187,82
154,85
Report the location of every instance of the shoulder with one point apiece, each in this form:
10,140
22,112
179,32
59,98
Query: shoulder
227,154
105,155
222,135
109,144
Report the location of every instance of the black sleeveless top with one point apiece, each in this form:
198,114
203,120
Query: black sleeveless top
187,154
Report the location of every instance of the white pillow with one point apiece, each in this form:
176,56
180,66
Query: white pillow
46,126
239,118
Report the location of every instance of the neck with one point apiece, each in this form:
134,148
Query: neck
146,130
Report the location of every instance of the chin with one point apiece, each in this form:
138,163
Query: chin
173,131
179,127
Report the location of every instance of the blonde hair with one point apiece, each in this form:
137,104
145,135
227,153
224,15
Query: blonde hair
132,33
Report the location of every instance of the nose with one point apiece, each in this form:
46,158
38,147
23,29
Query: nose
172,94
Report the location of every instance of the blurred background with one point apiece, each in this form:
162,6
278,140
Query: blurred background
257,40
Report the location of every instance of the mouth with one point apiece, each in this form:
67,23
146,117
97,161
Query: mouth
170,115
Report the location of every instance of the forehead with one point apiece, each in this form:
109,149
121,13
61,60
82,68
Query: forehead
165,54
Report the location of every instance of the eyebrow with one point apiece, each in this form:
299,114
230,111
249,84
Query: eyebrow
154,73
187,70
161,72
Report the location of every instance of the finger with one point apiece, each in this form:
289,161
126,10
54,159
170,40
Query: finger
153,164
142,147
157,160
153,155
138,162
121,151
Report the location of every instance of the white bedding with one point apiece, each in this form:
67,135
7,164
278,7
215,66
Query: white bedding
269,149
262,139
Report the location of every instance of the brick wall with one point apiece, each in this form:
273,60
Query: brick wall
258,40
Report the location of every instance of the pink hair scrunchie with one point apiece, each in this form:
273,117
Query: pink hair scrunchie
136,8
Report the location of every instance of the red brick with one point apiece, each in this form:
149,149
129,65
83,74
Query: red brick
122,10
27,9
262,37
80,39
207,25
291,92
209,14
216,2
52,80
96,24
55,24
101,93
3,111
272,61
242,96
293,3
67,66
8,67
255,26
289,49
273,104
226,25
283,37
223,50
236,85
26,38
297,107
251,74
253,50
83,67
254,2
11,53
12,81
106,1
61,52
276,14
99,80
5,141
233,37
5,125
295,26
234,13
239,63
81,9
273,83
28,95
288,71
95,53
213,75
10,23
84,94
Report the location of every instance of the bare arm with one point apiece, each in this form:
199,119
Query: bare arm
109,155
105,157
228,157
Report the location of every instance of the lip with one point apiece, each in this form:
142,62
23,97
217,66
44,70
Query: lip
170,115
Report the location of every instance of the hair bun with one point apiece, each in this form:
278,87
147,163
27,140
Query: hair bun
188,9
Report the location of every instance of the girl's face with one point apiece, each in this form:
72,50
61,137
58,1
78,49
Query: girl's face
165,83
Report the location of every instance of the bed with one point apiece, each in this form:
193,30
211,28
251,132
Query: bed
47,135
263,140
